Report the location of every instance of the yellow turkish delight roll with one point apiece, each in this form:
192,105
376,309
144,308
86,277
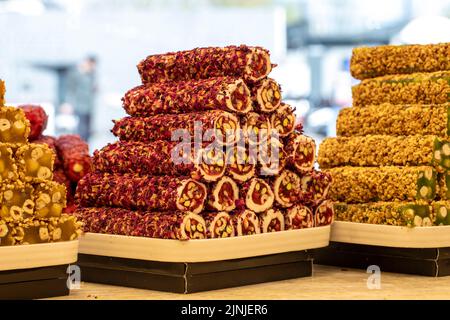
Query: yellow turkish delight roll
14,126
35,162
49,198
16,201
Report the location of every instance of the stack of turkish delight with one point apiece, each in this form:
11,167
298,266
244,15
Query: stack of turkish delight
185,165
390,162
31,204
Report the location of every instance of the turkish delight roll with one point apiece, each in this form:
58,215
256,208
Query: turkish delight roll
301,152
141,192
441,213
51,143
256,128
267,95
240,166
370,184
444,185
246,222
250,63
50,199
315,186
2,93
324,214
35,162
370,62
286,188
272,157
394,120
283,120
223,93
271,220
298,216
14,126
16,201
218,225
258,195
417,88
395,213
223,195
74,154
35,231
381,150
221,125
38,120
8,166
159,158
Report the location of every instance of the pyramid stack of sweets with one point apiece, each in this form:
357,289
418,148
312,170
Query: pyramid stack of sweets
31,204
138,188
390,161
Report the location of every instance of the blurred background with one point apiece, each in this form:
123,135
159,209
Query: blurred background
78,57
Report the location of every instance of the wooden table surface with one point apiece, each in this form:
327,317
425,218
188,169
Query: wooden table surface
326,283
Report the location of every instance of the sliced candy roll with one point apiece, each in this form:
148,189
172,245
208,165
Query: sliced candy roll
315,186
286,188
441,212
50,199
16,201
267,95
14,126
301,151
423,88
246,223
271,220
74,153
218,225
222,125
272,157
35,162
210,165
239,164
256,128
8,167
298,217
324,214
258,195
221,93
223,195
141,192
283,120
250,63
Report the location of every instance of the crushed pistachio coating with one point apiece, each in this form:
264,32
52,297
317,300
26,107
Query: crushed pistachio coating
417,88
381,150
370,62
371,184
14,126
411,214
394,120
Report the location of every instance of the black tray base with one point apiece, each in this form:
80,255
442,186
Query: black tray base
432,262
194,277
35,283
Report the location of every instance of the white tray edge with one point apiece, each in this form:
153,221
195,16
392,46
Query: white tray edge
204,250
390,236
38,255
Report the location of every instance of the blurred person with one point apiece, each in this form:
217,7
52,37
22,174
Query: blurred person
81,93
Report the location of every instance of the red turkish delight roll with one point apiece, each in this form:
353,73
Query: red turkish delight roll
246,223
283,120
250,63
267,95
164,225
159,158
145,193
271,221
223,195
74,154
51,143
37,118
298,217
301,151
315,186
239,164
271,157
218,225
286,188
224,126
223,93
324,214
258,195
256,128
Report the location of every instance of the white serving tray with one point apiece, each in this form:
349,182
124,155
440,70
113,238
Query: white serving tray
204,250
390,236
38,255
